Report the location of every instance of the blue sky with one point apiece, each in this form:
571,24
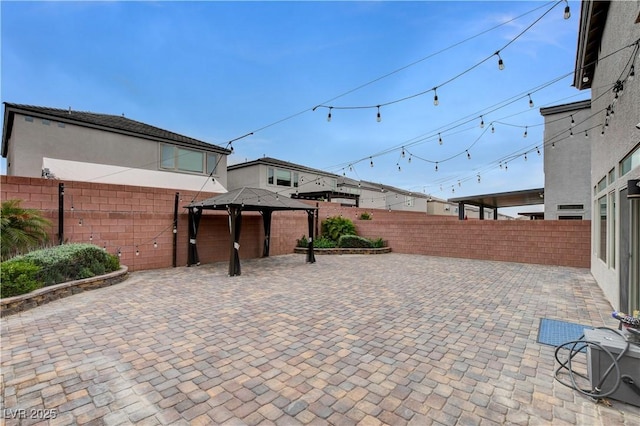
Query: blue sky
219,70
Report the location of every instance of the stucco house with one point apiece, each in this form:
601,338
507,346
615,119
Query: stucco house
567,160
606,62
91,147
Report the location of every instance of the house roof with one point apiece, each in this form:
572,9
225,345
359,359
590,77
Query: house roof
113,123
251,199
269,161
570,107
593,15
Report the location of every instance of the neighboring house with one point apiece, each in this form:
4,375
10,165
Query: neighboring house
567,160
297,181
606,63
85,146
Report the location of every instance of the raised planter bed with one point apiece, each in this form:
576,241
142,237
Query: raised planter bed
15,304
381,250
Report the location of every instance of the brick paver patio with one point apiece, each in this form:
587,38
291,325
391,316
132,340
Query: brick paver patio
386,339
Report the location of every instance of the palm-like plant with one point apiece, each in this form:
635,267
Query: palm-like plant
21,229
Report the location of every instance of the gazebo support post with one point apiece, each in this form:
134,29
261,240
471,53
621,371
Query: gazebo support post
235,222
195,214
266,219
310,256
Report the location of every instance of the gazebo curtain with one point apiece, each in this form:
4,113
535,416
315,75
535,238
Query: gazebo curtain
310,256
266,219
235,224
195,214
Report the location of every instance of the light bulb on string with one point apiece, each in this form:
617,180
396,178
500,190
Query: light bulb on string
459,183
553,144
525,132
371,161
439,139
436,166
155,244
586,134
80,222
478,178
350,168
119,252
530,101
402,154
104,246
409,160
567,11
493,129
468,155
506,166
570,133
91,237
378,117
481,122
572,121
500,61
399,169
632,73
525,156
329,114
538,150
137,251
435,97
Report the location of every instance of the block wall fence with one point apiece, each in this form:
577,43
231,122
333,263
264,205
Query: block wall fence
133,218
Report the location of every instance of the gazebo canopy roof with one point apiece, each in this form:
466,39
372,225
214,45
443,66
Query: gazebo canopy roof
251,199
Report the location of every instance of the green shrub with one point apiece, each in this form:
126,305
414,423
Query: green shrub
21,229
365,216
354,241
337,226
378,243
18,277
324,242
302,242
71,262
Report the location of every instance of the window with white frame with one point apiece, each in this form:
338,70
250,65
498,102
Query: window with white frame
601,234
281,177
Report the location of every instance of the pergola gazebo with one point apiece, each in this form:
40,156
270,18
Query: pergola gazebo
235,202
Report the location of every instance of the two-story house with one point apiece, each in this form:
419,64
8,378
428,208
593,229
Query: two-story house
91,147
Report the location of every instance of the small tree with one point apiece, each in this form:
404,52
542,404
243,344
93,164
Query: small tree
21,229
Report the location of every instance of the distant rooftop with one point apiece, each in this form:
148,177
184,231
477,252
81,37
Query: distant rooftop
115,123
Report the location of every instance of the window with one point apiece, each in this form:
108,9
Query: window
283,178
569,217
61,125
46,122
570,206
612,229
295,179
632,160
212,163
185,160
612,176
29,119
602,184
601,235
270,180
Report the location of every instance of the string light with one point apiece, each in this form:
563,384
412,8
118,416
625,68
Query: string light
91,237
378,117
538,150
409,160
570,133
435,97
530,101
80,222
439,139
137,251
155,244
586,134
481,122
468,155
506,166
402,154
329,114
371,161
119,252
567,11
493,129
399,169
525,156
525,132
632,73
553,144
572,121
436,166
500,61
478,178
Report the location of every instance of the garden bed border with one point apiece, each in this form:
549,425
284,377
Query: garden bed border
23,302
381,250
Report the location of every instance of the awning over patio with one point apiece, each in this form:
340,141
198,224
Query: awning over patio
245,199
527,197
